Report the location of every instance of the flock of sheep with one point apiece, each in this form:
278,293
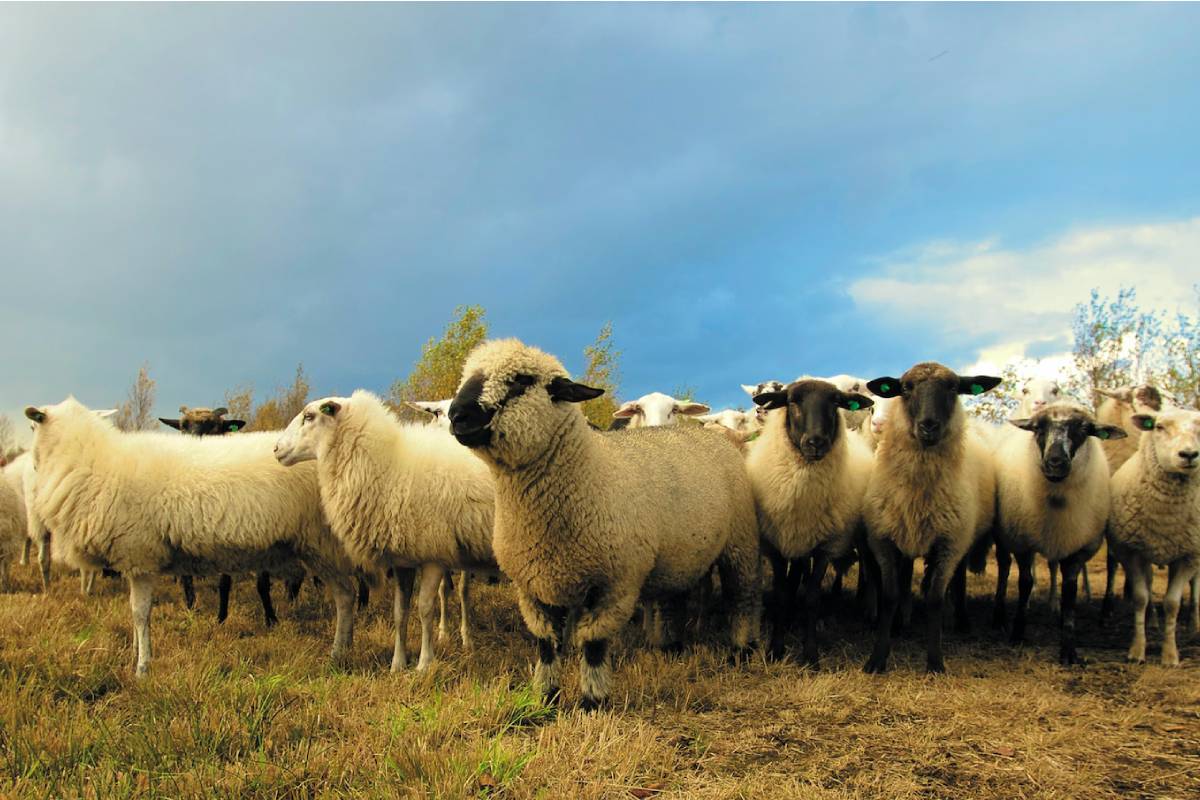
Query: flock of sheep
588,526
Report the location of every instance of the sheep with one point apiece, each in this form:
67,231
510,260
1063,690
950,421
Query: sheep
733,419
587,522
656,408
436,408
852,385
809,476
755,389
1052,489
154,503
1118,408
13,474
931,494
399,497
1155,518
1035,394
12,529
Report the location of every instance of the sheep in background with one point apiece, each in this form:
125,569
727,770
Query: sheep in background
809,475
400,498
657,409
12,529
1053,499
852,385
931,494
587,523
1156,518
152,503
436,408
755,389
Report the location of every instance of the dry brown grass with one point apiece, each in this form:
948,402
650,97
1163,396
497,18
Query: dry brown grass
236,711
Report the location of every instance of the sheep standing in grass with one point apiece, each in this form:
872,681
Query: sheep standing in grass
12,529
657,409
13,474
931,494
152,503
399,497
1156,518
587,522
809,475
1053,499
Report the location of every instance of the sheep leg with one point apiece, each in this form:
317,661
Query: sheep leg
1003,566
673,613
1024,590
141,595
402,580
25,547
224,585
464,603
431,579
886,572
443,599
263,585
781,609
868,582
293,587
343,632
364,592
88,578
904,574
812,605
1134,569
740,568
958,589
43,543
1070,587
1053,597
595,674
1087,583
548,625
1196,602
189,591
1171,601
1110,581
942,567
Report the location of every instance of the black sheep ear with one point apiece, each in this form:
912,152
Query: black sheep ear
567,390
330,408
170,423
853,401
977,384
1024,424
771,400
232,425
884,387
1107,431
34,415
1143,422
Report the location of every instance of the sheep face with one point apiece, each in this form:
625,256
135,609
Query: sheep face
1175,438
1038,393
657,409
203,422
513,402
308,432
757,389
439,410
56,426
1060,431
928,394
731,419
813,423
879,413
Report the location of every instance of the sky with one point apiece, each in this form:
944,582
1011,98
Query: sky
746,191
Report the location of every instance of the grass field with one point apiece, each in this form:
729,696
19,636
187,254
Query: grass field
236,711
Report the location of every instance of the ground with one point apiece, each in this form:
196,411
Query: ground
235,710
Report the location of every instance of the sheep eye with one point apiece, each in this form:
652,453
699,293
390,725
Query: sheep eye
1024,391
309,416
523,380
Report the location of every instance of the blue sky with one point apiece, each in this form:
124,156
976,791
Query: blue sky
747,192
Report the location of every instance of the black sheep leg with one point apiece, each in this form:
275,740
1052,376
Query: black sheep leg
263,585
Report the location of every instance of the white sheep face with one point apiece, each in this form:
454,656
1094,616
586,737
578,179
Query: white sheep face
734,420
1174,438
438,409
884,406
307,433
1038,393
657,409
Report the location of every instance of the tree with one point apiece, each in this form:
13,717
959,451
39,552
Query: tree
240,402
274,413
137,412
1182,375
437,374
602,372
1001,403
1115,342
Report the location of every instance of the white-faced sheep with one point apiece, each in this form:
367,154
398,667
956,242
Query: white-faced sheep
1156,517
399,497
1052,498
587,522
657,409
152,503
435,408
931,494
809,475
755,389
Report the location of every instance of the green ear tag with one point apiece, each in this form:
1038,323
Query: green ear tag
1148,424
885,387
855,405
976,388
1102,434
233,428
327,409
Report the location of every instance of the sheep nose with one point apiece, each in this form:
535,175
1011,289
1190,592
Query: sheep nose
1057,462
1189,455
816,441
929,426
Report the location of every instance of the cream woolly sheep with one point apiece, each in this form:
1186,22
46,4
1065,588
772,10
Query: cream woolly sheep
657,409
1052,490
754,390
12,529
931,494
398,497
151,503
809,475
587,522
1037,393
1156,517
13,475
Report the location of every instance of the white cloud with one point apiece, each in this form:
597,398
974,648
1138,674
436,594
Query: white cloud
1010,301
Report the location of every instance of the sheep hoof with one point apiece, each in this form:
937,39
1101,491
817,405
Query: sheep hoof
876,665
1069,658
1136,657
589,704
935,666
272,621
1170,658
142,670
552,696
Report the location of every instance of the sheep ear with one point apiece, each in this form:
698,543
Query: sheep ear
1023,424
853,401
886,386
748,389
1124,394
1143,422
628,409
691,409
770,400
170,423
35,415
232,425
105,413
977,384
330,408
561,388
1107,431
220,412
